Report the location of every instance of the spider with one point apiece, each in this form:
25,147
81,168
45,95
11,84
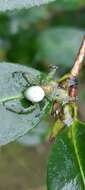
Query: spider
56,92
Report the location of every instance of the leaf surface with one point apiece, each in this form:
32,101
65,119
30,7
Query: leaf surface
66,167
19,4
13,125
59,4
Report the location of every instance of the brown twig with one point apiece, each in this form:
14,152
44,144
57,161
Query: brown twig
79,60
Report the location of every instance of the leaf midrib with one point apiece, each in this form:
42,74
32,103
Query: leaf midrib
77,156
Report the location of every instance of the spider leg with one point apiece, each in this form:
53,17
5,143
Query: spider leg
25,75
19,110
52,72
63,78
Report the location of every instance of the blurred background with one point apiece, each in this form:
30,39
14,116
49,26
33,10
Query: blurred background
50,34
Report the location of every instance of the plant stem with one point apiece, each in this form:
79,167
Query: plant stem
79,60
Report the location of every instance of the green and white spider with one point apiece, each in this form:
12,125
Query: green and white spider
55,92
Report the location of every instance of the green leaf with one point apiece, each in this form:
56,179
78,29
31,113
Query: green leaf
13,125
18,4
35,136
66,167
59,45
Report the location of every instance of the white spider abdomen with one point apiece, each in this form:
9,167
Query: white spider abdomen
34,94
